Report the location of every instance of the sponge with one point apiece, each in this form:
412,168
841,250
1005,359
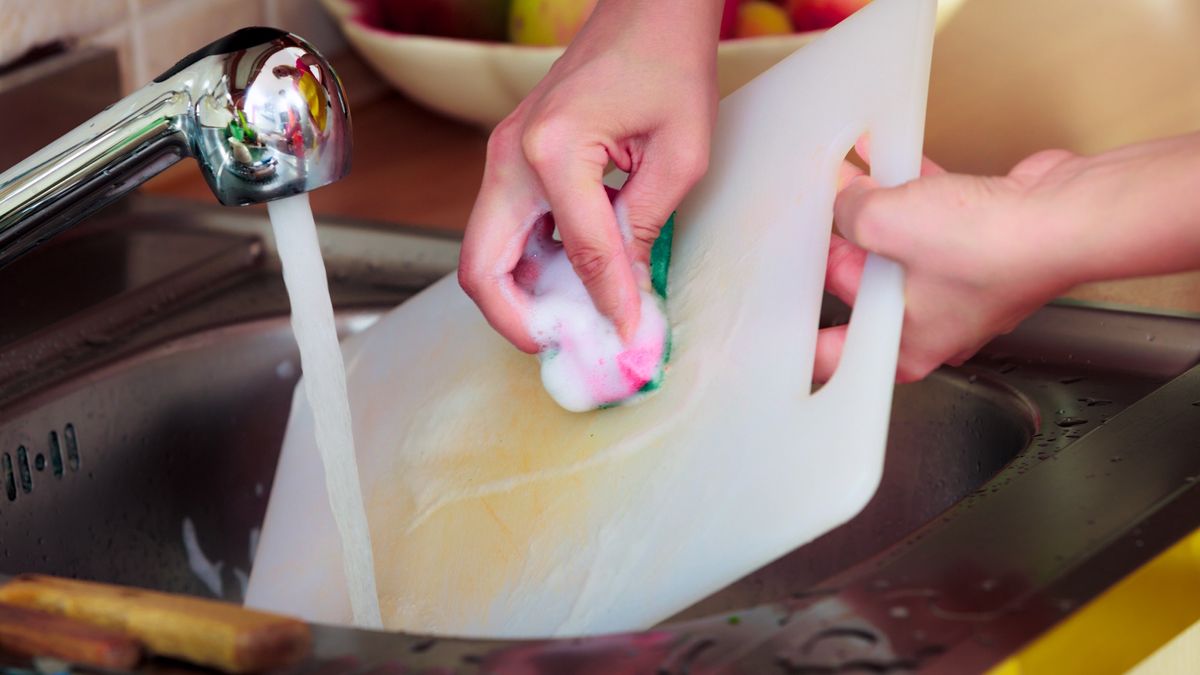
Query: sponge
584,363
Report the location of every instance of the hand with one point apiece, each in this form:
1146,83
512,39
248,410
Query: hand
980,254
637,86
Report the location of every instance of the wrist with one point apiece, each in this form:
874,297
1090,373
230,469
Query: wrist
1060,209
690,26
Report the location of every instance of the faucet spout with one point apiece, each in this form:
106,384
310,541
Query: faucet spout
260,110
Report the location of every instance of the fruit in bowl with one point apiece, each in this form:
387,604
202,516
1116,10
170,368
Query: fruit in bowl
475,60
757,18
818,14
465,19
547,23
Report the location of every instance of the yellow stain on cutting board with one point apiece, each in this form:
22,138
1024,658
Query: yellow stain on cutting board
494,480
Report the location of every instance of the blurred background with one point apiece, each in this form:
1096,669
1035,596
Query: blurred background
427,78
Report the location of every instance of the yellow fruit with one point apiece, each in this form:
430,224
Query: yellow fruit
547,22
759,17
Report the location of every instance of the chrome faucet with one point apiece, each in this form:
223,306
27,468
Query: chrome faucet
260,110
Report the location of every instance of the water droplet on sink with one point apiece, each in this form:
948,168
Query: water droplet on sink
1115,458
1070,421
285,370
1149,337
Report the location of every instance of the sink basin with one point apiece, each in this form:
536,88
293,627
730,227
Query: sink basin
154,471
141,419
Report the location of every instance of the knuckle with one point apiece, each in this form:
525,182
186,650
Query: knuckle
468,278
502,139
543,141
1041,162
590,260
867,221
644,231
913,371
693,162
1051,156
915,365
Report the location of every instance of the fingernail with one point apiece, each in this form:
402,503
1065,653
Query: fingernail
632,313
641,274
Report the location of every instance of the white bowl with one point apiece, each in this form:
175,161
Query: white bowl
481,82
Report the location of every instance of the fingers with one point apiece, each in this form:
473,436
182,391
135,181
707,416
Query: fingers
669,170
572,180
909,368
504,214
843,270
846,173
1036,165
858,214
830,342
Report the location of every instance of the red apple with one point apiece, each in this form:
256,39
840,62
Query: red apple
818,14
729,19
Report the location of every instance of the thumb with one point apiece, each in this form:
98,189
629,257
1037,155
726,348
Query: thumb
861,212
653,191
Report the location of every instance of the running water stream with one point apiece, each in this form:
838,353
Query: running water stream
325,388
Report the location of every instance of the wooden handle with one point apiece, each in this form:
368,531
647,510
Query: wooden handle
28,632
204,632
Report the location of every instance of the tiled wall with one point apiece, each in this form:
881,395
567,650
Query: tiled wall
151,35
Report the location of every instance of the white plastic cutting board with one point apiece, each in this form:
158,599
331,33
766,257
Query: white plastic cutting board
494,512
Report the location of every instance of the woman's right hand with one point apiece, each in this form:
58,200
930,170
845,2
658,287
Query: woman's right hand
637,86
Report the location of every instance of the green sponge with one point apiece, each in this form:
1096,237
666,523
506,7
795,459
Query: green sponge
660,262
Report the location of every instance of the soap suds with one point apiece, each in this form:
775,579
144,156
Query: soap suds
585,364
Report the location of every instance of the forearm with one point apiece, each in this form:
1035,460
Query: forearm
1133,211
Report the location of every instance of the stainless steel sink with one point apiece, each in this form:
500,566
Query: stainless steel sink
143,406
108,466
188,430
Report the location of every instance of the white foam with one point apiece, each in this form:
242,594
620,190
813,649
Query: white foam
585,364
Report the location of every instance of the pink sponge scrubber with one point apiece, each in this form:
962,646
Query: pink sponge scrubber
585,364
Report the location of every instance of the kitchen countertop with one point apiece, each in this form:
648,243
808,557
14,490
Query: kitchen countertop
1009,77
